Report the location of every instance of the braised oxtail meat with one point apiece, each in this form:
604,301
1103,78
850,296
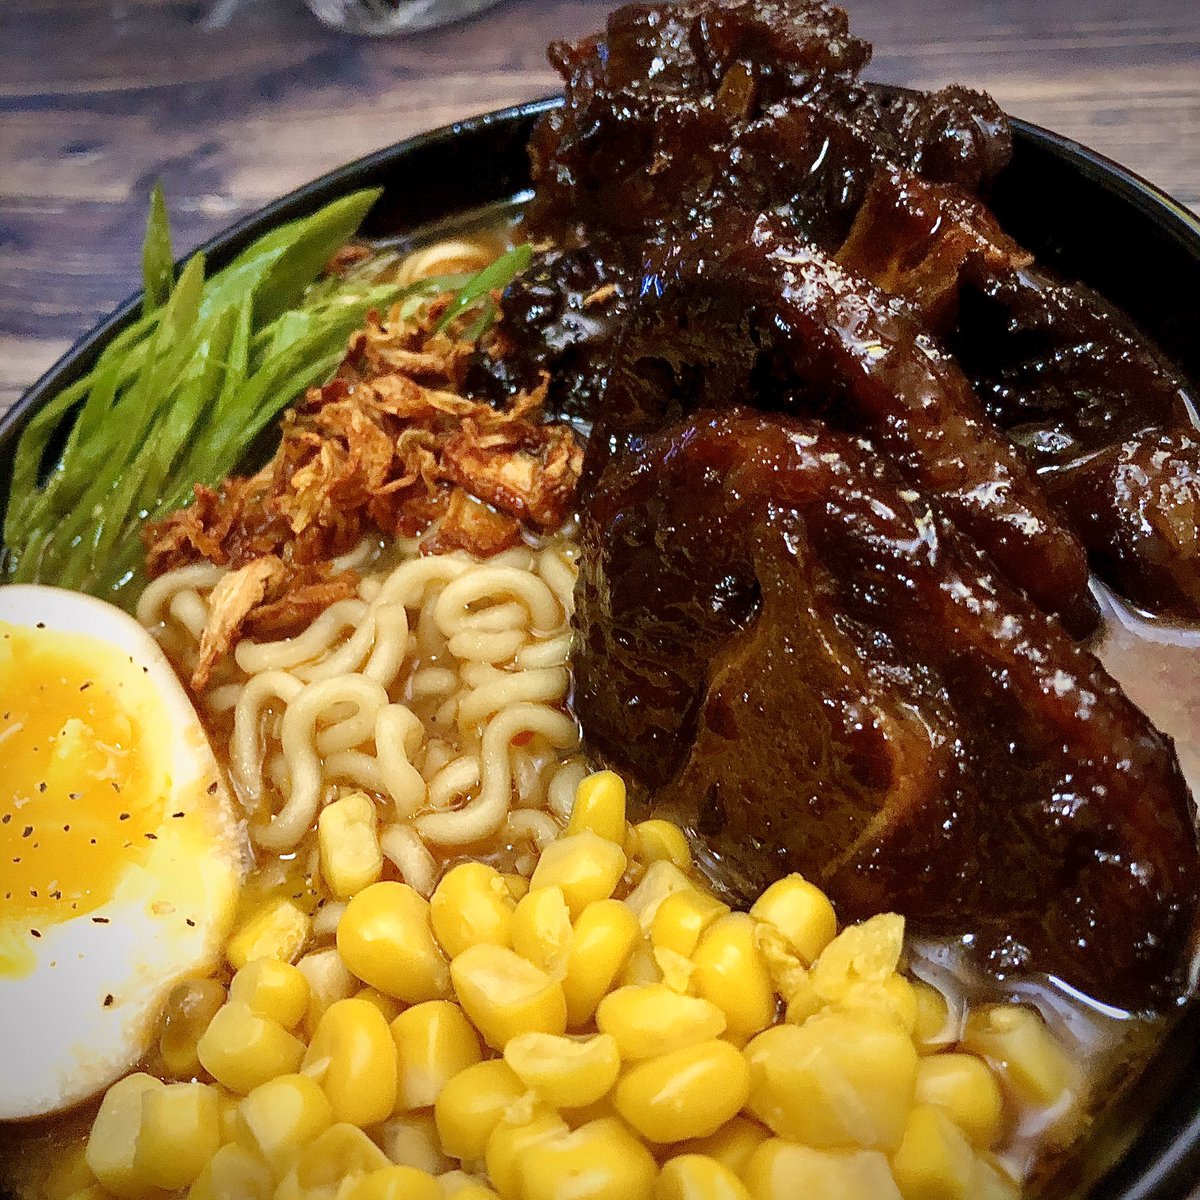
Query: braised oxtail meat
754,316
1043,352
918,240
1137,507
679,109
790,650
652,104
679,113
1103,418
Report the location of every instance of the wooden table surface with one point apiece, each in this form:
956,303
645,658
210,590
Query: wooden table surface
231,103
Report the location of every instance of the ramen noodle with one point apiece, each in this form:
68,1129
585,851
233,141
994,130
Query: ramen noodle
440,688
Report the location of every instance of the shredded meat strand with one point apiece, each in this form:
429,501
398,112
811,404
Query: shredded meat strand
231,602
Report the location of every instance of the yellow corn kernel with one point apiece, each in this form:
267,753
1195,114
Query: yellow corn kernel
434,1042
586,866
688,1093
353,1057
662,841
990,1181
565,1072
234,1173
342,1152
180,1131
240,1049
471,1106
641,968
511,1142
857,970
328,981
682,917
933,1029
1023,1052
694,1177
732,1144
801,912
789,975
471,906
349,844
897,999
600,807
651,1020
472,1191
411,1140
385,938
660,880
517,885
732,973
891,996
111,1153
965,1088
780,1170
504,995
389,1009
601,1109
393,1183
272,988
541,929
604,937
278,929
92,1191
284,1115
675,970
935,1160
838,1080
228,1116
455,1183
598,1161
190,1007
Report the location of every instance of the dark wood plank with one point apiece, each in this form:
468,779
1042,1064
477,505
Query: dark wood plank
98,99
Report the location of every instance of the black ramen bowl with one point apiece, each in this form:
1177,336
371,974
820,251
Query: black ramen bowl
1080,213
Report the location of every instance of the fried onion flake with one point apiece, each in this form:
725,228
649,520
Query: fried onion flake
389,447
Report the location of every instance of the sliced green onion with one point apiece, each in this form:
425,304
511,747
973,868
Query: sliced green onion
176,398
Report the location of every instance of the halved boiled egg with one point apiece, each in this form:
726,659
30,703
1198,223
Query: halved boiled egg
120,854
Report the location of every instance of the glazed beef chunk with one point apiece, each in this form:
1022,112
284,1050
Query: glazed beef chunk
1101,416
753,315
796,656
682,111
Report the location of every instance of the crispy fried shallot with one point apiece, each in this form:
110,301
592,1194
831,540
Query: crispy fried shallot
231,601
389,446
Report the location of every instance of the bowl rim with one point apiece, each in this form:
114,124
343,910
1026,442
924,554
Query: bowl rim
1162,1162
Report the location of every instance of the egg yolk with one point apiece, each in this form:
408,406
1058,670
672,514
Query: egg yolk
85,778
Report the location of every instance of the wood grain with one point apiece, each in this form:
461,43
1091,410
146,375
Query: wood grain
100,97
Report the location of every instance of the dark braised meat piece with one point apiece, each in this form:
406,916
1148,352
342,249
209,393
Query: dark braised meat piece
682,111
794,655
556,321
924,242
652,105
679,109
1103,418
1137,507
753,316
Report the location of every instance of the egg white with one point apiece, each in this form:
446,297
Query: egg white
88,1009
